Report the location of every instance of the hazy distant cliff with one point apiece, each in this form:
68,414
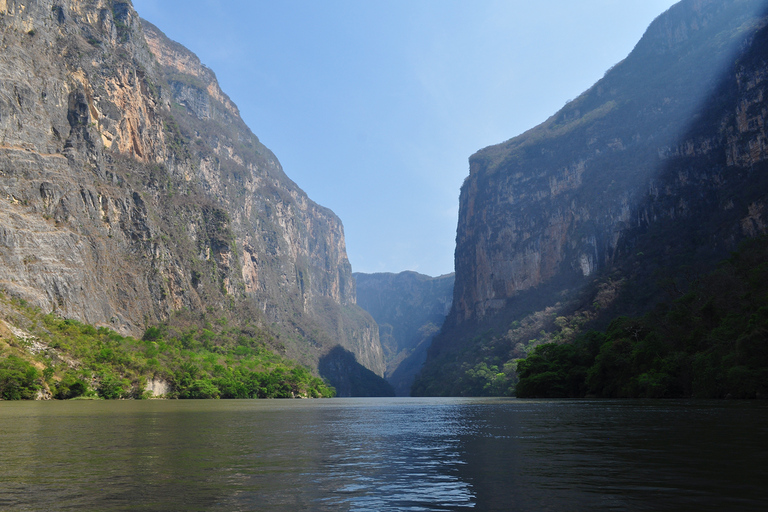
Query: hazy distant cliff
409,308
130,188
660,165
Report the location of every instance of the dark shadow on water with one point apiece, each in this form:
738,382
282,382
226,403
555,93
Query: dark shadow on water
564,455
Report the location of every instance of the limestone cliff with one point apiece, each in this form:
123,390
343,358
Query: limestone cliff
130,188
657,168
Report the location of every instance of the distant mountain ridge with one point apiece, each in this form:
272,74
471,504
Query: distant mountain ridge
409,308
641,183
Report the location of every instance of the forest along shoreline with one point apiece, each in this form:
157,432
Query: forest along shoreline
52,357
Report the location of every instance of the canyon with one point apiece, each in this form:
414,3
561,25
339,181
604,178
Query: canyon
409,309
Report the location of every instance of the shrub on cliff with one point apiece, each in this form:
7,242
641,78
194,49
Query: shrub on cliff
18,379
199,359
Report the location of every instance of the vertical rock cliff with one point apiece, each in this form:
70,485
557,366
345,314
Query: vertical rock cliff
130,188
656,171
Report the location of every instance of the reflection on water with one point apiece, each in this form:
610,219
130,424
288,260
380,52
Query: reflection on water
383,455
620,455
392,457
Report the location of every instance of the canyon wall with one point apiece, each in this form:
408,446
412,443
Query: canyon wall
130,189
655,171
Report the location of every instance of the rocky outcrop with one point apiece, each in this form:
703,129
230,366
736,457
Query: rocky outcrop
130,188
157,388
409,308
658,166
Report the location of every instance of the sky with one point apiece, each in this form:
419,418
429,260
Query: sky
373,107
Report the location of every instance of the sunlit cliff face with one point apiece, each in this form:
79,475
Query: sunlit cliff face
130,188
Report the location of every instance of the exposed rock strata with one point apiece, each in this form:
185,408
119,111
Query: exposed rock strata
131,188
558,199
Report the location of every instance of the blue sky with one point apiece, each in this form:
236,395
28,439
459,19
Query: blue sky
374,106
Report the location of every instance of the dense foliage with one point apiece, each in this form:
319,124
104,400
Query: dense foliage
201,360
18,379
712,342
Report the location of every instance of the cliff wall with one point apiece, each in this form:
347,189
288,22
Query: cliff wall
655,171
130,188
555,201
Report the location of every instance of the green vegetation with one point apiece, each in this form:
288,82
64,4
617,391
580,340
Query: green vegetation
178,142
484,380
195,358
18,379
480,367
712,342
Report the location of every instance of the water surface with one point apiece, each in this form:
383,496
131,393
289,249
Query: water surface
394,454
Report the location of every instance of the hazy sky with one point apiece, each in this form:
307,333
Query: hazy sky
374,106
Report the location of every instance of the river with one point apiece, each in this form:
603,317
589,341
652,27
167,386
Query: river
399,454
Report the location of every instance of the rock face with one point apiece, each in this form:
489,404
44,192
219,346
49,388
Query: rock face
659,165
131,188
409,308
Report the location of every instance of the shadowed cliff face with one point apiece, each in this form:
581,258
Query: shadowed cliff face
130,188
657,166
554,202
556,199
350,378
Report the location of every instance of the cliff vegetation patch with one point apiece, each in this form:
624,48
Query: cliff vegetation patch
195,357
712,342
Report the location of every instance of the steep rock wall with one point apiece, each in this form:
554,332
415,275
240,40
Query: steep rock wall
650,177
409,308
557,201
130,188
